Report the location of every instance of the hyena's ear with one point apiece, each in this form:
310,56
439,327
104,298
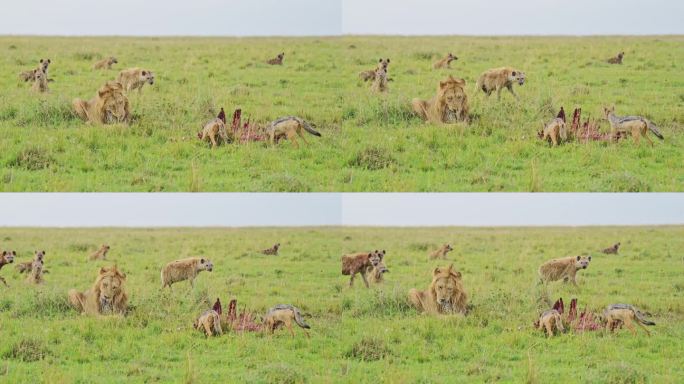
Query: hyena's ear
380,61
578,258
144,73
202,261
43,252
41,60
4,253
589,258
513,73
48,60
388,60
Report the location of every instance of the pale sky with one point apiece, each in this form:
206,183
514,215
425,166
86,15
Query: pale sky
336,17
336,209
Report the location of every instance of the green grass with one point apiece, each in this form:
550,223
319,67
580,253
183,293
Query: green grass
358,334
46,148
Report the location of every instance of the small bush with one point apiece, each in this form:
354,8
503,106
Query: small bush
370,349
372,158
27,350
282,374
32,159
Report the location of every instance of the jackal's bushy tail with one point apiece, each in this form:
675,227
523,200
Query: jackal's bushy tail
653,128
299,319
309,128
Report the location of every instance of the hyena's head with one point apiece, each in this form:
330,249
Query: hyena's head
206,265
147,76
281,55
621,55
452,93
383,63
451,57
44,64
105,247
517,77
39,255
447,247
276,246
9,256
376,258
113,60
582,262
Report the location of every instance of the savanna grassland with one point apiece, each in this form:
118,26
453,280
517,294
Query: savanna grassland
369,143
358,334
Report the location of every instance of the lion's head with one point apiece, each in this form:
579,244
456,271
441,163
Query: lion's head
447,290
109,289
112,102
453,99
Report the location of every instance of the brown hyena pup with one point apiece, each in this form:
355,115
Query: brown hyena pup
106,63
551,320
272,251
40,82
100,254
110,105
31,74
554,131
618,314
380,83
445,62
450,105
441,252
376,273
215,131
565,268
360,263
369,75
278,59
135,78
27,266
209,323
184,269
617,59
7,257
612,250
499,78
284,315
36,274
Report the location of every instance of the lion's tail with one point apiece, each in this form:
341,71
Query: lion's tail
299,319
309,128
653,128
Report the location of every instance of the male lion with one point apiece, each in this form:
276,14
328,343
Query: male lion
448,106
110,105
499,78
445,295
107,295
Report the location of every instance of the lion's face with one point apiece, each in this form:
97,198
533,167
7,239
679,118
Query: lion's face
445,285
110,286
206,264
453,94
582,262
517,76
9,256
147,77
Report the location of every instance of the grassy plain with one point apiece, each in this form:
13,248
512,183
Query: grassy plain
358,334
369,143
